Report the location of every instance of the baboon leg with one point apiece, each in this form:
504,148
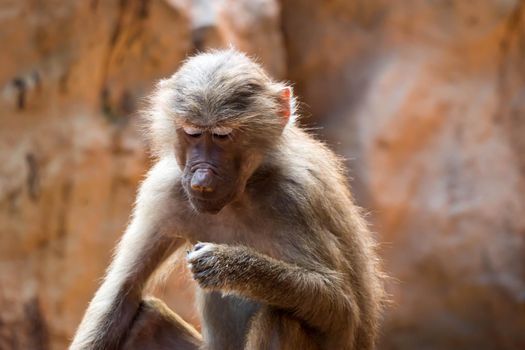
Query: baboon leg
156,327
272,329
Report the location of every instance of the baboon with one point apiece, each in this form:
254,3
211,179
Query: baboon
282,256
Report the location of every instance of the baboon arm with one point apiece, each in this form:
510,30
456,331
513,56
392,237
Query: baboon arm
315,295
146,243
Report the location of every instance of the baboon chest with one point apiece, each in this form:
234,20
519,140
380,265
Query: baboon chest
232,228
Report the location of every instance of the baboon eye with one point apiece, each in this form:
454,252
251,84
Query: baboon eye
192,131
221,132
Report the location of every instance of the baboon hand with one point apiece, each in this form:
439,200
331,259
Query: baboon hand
210,265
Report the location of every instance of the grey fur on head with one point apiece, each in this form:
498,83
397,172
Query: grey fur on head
218,87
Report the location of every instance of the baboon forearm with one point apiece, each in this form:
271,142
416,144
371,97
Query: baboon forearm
311,294
113,308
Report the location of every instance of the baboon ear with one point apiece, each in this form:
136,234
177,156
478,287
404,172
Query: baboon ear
286,104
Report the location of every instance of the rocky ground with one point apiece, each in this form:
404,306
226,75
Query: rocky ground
426,100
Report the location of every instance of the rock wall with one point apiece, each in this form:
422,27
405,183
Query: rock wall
425,99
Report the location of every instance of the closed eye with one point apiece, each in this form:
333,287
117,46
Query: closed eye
221,137
221,132
192,131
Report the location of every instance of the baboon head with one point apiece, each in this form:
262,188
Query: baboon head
227,114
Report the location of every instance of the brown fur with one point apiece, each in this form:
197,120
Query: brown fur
290,263
157,327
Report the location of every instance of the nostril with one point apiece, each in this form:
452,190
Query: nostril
201,188
196,188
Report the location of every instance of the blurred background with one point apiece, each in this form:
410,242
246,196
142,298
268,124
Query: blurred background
426,100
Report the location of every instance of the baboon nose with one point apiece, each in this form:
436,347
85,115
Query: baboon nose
202,180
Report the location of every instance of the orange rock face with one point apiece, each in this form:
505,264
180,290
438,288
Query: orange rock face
425,99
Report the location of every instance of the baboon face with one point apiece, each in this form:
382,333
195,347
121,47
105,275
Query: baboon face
211,160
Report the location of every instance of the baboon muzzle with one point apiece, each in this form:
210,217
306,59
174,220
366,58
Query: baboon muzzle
202,180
